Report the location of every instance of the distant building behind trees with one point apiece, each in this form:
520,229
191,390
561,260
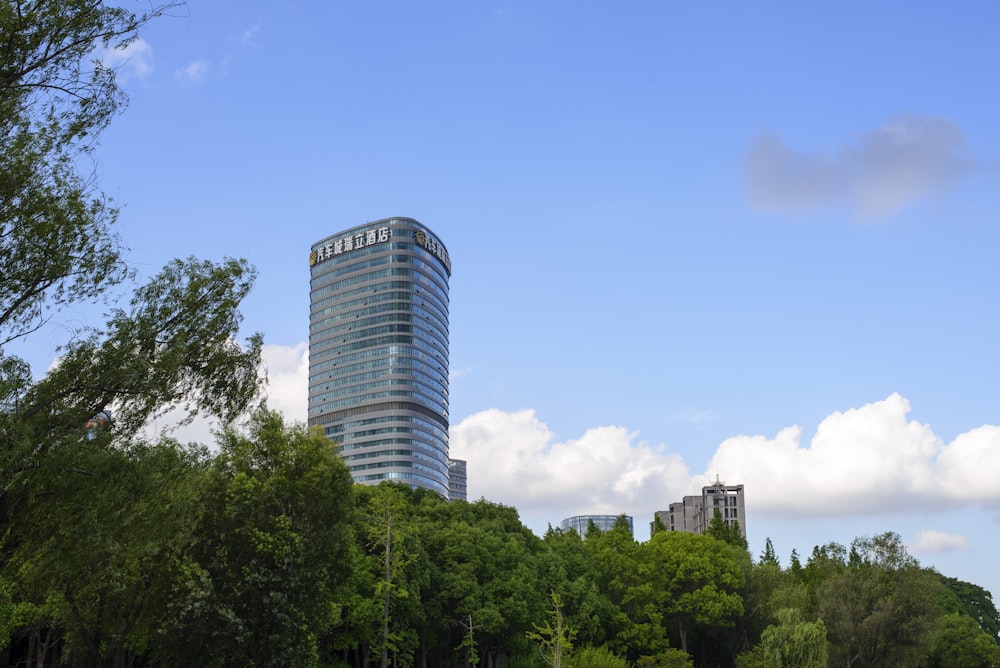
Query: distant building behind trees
580,523
694,513
458,480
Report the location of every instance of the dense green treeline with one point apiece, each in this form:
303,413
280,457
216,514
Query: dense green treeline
263,553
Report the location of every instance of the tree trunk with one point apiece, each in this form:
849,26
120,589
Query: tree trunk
388,590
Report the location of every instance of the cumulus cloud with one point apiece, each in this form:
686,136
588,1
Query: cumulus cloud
868,461
908,159
930,541
515,459
135,59
193,73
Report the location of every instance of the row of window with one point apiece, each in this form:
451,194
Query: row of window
343,427
324,304
394,408
384,302
436,448
398,464
368,332
426,346
381,274
416,454
373,353
362,391
355,380
363,325
420,480
352,401
399,361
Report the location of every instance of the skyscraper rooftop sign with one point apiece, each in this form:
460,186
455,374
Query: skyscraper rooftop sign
349,243
436,249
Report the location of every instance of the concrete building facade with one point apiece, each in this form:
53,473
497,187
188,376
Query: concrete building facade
457,480
378,350
693,513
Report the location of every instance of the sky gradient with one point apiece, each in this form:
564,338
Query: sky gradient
755,241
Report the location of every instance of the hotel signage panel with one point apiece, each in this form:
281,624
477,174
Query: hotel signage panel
349,243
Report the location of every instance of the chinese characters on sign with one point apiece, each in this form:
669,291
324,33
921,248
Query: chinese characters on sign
349,243
439,251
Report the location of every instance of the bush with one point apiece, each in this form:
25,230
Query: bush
595,657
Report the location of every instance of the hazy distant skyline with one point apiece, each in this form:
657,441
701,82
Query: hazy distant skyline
756,242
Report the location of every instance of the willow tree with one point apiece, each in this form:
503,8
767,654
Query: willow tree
170,343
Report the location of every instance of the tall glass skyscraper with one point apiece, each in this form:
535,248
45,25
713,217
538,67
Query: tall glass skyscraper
378,351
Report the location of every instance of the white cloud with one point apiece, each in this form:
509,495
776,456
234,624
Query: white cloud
929,541
514,459
193,73
133,60
908,159
288,379
865,461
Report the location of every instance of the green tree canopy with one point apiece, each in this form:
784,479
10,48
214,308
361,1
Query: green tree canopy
271,549
696,579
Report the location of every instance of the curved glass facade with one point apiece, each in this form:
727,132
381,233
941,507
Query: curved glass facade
580,523
378,351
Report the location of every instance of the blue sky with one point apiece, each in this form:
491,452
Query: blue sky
752,240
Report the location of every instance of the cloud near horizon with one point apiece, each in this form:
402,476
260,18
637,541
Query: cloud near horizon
865,461
908,159
928,541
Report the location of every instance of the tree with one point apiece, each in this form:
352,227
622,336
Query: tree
97,552
728,533
595,657
769,556
177,345
271,549
633,627
571,570
696,579
390,539
974,601
56,243
668,658
962,643
554,638
794,643
879,607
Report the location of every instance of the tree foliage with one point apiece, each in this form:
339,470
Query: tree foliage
270,549
880,607
696,579
794,643
962,643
